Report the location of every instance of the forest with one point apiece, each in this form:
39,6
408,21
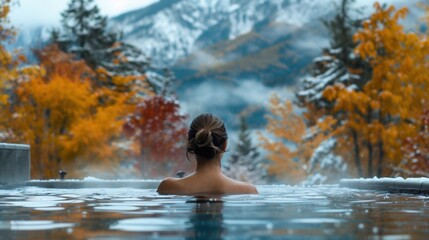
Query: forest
88,105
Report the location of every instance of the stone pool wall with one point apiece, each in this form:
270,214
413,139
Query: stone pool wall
14,163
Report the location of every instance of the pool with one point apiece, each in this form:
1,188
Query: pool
278,212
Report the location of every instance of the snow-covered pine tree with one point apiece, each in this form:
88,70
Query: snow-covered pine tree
85,33
330,167
337,64
245,162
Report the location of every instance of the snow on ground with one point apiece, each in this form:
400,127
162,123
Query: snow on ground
388,179
399,184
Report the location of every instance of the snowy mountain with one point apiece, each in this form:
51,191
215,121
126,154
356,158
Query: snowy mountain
245,49
206,37
235,51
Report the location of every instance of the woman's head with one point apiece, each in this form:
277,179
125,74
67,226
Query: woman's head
207,136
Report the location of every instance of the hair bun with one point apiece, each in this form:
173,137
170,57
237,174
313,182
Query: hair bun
204,138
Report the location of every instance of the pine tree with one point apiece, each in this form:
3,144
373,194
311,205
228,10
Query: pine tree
85,34
339,68
338,64
245,163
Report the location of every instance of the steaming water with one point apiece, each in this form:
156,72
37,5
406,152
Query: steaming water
278,212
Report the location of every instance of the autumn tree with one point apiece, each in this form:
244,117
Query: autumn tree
291,144
398,87
56,110
158,130
378,113
8,64
340,67
350,108
416,159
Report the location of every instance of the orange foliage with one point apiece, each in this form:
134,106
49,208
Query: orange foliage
377,120
8,65
57,111
160,130
291,145
399,83
417,150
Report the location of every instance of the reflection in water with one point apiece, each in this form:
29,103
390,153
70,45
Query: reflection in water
206,219
278,212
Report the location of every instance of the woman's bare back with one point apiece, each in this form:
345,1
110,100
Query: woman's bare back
207,141
196,184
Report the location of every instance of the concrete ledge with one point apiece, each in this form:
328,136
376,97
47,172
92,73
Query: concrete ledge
56,183
409,185
14,163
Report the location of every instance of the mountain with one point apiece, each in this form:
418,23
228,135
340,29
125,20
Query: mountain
230,55
271,40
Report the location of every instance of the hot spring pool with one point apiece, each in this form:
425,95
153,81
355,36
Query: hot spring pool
278,212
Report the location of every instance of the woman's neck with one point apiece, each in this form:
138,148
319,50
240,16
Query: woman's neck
209,165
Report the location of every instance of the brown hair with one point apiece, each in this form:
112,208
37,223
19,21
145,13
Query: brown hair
206,136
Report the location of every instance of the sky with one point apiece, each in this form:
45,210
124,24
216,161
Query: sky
29,13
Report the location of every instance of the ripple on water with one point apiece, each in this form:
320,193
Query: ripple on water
363,201
32,204
334,210
132,203
115,208
242,222
125,199
14,198
50,209
316,220
45,198
411,211
285,200
32,225
148,225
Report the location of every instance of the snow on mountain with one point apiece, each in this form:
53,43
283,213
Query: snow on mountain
171,29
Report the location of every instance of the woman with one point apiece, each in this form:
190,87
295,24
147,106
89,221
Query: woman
207,140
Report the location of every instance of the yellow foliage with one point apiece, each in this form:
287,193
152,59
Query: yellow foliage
399,80
288,147
7,65
57,110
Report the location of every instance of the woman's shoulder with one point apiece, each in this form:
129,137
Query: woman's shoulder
169,186
242,187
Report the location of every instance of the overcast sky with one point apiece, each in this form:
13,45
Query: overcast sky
47,12
29,13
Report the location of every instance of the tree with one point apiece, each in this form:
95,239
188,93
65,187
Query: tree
398,84
338,68
8,65
324,165
245,163
56,110
416,160
351,108
159,130
86,35
291,144
338,64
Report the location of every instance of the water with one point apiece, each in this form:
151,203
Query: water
278,212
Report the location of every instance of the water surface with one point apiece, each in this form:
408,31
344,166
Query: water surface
278,212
